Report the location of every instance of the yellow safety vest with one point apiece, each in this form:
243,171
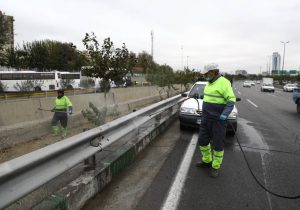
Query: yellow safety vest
219,92
62,103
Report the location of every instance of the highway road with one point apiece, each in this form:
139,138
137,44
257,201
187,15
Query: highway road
164,175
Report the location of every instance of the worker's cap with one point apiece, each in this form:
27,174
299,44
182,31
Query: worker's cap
60,90
209,67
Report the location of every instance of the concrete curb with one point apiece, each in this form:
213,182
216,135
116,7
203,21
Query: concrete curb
77,192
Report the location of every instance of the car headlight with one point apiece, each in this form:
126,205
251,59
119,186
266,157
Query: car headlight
186,110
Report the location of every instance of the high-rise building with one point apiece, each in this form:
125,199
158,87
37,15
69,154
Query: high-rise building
276,61
6,32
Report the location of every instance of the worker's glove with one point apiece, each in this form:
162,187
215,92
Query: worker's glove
223,117
70,110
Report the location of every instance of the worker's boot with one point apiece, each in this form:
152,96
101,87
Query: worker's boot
216,164
64,132
55,130
214,173
206,157
202,164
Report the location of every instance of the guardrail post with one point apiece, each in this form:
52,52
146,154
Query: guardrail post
5,97
90,163
46,94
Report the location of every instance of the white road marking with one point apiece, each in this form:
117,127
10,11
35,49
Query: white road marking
175,191
239,92
271,95
252,103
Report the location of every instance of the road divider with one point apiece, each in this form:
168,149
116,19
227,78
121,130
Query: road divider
89,154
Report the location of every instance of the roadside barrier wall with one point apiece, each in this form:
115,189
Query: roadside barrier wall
21,120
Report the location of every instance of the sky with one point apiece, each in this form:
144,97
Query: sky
235,34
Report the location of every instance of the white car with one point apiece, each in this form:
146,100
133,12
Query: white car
191,109
267,87
247,84
252,83
289,87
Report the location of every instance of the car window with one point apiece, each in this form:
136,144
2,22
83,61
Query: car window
197,89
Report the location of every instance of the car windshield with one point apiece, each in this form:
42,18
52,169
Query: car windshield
197,89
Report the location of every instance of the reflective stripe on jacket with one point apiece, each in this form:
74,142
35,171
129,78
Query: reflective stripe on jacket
218,98
62,103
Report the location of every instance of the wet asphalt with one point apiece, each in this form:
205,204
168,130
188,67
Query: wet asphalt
270,135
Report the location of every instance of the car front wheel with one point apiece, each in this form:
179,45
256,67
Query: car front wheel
182,127
232,131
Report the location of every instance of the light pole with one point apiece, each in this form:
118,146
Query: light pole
284,43
182,58
187,62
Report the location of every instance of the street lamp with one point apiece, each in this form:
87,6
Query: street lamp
187,62
284,43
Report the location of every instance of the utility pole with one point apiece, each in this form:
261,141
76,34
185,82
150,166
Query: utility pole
284,43
260,69
270,58
182,57
187,62
152,37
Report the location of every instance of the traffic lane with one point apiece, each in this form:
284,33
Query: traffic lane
278,92
272,115
276,121
281,144
234,189
156,193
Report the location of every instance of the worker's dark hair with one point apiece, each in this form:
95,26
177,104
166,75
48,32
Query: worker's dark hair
60,90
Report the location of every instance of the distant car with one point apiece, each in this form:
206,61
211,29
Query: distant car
289,87
191,109
257,82
252,83
267,87
247,84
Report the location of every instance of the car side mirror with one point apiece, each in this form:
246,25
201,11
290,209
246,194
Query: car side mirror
238,99
196,96
183,94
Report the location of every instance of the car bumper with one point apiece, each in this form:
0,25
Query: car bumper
194,121
270,90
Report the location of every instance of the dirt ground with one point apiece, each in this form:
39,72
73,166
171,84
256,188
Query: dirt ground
24,148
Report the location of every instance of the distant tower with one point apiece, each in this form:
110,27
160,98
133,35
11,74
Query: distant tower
152,37
276,61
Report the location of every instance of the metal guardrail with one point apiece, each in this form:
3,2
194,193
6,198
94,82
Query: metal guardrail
23,175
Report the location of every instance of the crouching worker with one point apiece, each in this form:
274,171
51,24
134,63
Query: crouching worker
62,107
